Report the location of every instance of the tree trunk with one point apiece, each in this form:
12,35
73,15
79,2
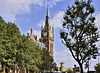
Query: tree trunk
81,67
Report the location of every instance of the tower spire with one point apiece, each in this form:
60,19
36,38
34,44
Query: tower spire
47,10
47,22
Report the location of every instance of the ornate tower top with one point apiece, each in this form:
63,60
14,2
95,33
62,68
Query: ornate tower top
47,21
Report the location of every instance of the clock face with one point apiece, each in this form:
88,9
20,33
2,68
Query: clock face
45,34
51,34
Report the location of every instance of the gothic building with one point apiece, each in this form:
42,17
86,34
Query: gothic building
47,35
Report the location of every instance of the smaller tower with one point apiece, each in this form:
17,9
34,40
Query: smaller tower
62,64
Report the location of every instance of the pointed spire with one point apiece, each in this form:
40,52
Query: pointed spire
47,11
47,22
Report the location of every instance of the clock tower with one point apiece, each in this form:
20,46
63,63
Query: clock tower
47,34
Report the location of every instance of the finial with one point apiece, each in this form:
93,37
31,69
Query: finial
47,9
47,4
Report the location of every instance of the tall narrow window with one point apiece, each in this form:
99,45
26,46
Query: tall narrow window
51,48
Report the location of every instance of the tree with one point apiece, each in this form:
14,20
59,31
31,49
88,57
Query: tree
9,36
97,68
79,32
1,35
9,39
55,67
16,51
36,57
47,61
28,55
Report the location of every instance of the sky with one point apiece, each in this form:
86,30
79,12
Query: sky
27,14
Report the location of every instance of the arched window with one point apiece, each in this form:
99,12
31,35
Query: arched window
68,71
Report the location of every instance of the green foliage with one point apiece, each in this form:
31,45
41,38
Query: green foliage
17,51
97,68
55,67
47,61
9,36
79,32
28,55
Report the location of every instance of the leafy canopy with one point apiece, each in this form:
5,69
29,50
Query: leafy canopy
17,51
79,32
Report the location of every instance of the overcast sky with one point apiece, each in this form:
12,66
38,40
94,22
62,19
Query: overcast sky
27,14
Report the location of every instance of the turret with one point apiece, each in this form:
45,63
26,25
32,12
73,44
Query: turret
62,64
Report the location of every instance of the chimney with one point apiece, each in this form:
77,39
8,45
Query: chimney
28,35
40,40
36,38
31,31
